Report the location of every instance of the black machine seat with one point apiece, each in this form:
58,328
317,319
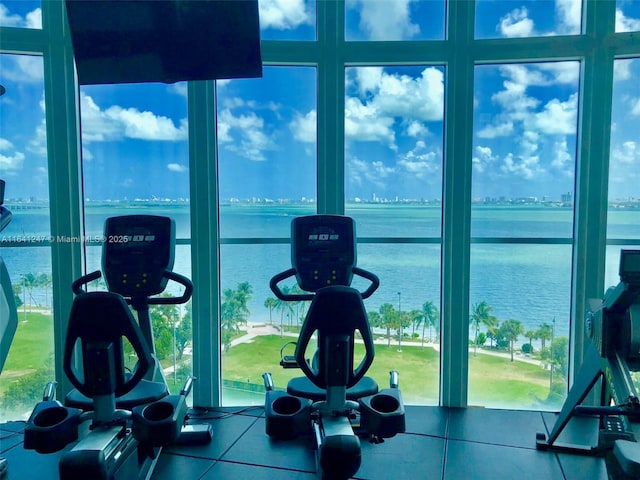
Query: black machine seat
144,392
99,321
303,387
336,313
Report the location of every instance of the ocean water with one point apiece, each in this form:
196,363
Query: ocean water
527,282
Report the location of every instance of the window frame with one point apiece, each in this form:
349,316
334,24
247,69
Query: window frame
595,48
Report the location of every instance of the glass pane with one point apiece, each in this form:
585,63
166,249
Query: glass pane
527,18
21,13
627,16
136,135
519,325
255,326
24,243
394,19
393,174
404,314
394,138
267,171
287,19
267,151
624,175
623,216
525,129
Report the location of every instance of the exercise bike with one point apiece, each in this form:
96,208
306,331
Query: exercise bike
131,413
334,401
613,324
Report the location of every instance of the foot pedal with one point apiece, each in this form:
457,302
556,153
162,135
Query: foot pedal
288,361
199,434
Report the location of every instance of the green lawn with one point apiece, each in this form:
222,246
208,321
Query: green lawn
32,346
493,381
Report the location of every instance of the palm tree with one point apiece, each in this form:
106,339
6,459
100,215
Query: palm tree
431,316
531,334
44,280
417,319
29,281
544,333
511,330
271,303
480,316
387,314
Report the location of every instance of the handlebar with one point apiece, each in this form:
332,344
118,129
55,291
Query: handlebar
77,285
296,297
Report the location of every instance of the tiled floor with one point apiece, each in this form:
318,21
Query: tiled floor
439,443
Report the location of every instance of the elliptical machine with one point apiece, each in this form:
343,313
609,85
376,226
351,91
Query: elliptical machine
334,401
613,324
132,413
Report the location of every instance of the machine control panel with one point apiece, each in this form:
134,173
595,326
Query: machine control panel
323,251
137,251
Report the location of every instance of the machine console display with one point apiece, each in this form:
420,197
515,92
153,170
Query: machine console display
630,267
137,250
323,250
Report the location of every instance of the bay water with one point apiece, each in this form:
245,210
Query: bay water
529,282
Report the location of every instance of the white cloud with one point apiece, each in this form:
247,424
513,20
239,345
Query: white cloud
516,24
368,79
375,173
416,129
569,13
420,163
176,167
116,123
304,127
34,19
514,99
483,158
251,140
626,24
23,68
562,160
10,159
558,118
525,167
387,97
627,153
421,98
387,20
146,125
283,14
364,123
492,131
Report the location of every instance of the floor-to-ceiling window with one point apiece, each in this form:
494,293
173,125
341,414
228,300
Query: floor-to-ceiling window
136,135
453,132
266,132
25,243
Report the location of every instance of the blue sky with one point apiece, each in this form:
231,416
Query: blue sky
525,115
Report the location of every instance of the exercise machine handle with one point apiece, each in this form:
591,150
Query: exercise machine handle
184,298
77,285
373,278
287,297
295,297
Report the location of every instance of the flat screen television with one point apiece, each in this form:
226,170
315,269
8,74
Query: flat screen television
136,41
